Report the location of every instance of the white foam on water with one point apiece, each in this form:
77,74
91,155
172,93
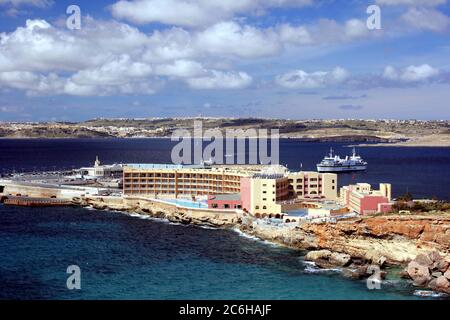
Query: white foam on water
312,269
254,238
140,216
309,263
245,235
207,227
315,269
429,294
164,220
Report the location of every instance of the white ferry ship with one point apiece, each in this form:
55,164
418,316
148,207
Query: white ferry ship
334,163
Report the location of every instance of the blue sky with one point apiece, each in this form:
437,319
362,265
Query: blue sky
293,59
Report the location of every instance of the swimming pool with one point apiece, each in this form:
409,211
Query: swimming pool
187,203
298,213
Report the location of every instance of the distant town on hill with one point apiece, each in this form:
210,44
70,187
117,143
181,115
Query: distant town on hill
384,132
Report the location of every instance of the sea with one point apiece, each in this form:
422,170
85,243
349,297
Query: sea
134,257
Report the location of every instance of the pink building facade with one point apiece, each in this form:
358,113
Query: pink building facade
360,198
369,204
225,202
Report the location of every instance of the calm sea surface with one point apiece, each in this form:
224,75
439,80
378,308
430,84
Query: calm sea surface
123,257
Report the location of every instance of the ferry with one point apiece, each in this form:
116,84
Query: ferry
334,163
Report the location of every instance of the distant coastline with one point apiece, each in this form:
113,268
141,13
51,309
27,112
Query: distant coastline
407,133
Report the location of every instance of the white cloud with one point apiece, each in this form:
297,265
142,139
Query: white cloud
109,58
299,79
390,73
168,45
41,47
428,3
426,19
181,69
391,77
35,3
411,74
121,70
30,82
294,35
229,38
193,13
355,28
221,80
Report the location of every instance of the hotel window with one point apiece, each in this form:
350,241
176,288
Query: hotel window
257,208
264,199
264,208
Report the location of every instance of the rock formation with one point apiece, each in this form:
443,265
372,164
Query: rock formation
431,270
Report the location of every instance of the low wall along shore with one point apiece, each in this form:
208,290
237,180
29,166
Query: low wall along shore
160,209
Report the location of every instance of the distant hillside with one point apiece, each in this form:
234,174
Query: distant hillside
380,131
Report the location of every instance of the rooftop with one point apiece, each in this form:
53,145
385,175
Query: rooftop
268,176
153,166
227,197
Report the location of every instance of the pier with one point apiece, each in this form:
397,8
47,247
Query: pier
35,202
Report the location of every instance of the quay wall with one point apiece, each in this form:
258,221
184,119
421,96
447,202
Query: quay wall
12,188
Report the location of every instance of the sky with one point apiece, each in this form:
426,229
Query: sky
294,59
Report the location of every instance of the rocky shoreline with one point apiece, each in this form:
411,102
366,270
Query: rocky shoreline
352,245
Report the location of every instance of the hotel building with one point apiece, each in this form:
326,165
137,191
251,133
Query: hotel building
256,189
362,199
181,181
310,185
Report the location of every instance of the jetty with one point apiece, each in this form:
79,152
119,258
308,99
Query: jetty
35,202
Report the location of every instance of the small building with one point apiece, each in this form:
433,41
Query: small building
101,171
362,199
225,201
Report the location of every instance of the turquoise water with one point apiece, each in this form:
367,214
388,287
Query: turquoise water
187,203
123,257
